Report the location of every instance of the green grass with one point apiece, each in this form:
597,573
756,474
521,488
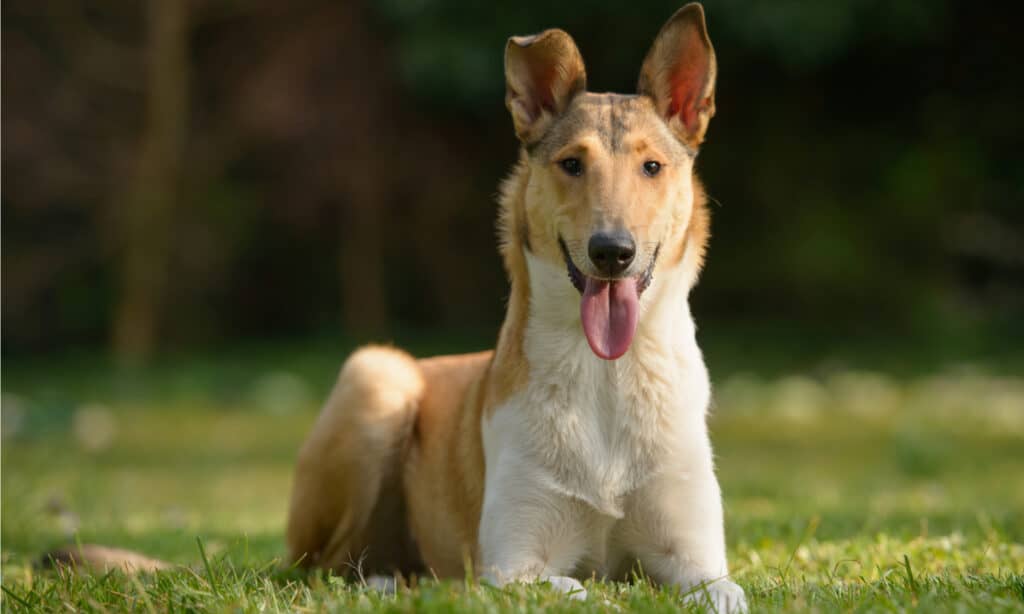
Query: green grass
846,489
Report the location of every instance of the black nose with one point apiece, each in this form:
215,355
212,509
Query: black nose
611,252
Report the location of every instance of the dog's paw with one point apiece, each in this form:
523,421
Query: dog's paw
567,585
721,597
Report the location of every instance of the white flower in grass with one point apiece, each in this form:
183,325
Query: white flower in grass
740,394
12,415
865,394
1005,401
94,427
800,398
281,392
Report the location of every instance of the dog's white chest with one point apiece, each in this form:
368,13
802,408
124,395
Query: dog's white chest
592,434
595,430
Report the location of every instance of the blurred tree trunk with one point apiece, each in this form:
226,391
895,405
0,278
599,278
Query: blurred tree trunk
364,307
366,183
144,224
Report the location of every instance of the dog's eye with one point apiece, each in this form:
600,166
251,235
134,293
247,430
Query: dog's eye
572,166
652,168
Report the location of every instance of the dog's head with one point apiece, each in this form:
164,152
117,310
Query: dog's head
610,190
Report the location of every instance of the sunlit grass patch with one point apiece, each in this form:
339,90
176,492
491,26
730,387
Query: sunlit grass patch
845,489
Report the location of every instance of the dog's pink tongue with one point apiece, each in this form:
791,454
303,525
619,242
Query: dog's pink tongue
609,313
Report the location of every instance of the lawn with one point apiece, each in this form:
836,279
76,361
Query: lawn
866,481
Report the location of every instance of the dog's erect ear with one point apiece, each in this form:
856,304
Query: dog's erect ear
679,74
543,73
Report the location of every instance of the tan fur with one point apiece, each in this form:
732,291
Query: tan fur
347,487
444,473
395,469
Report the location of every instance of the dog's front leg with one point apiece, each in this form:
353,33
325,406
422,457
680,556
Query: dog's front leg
529,533
674,527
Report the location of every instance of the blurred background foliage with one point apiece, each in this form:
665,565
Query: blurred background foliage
185,173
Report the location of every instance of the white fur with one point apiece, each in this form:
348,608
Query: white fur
598,464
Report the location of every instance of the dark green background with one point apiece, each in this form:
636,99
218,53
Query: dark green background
865,165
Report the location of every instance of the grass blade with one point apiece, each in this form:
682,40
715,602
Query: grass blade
209,570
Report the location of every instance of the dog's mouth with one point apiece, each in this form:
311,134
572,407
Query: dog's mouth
609,308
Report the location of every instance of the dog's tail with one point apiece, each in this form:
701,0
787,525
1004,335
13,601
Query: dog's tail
92,557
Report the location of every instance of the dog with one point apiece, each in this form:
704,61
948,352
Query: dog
578,447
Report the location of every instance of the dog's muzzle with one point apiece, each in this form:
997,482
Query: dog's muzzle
609,307
578,279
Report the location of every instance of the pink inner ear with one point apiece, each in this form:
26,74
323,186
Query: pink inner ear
685,94
687,81
542,78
